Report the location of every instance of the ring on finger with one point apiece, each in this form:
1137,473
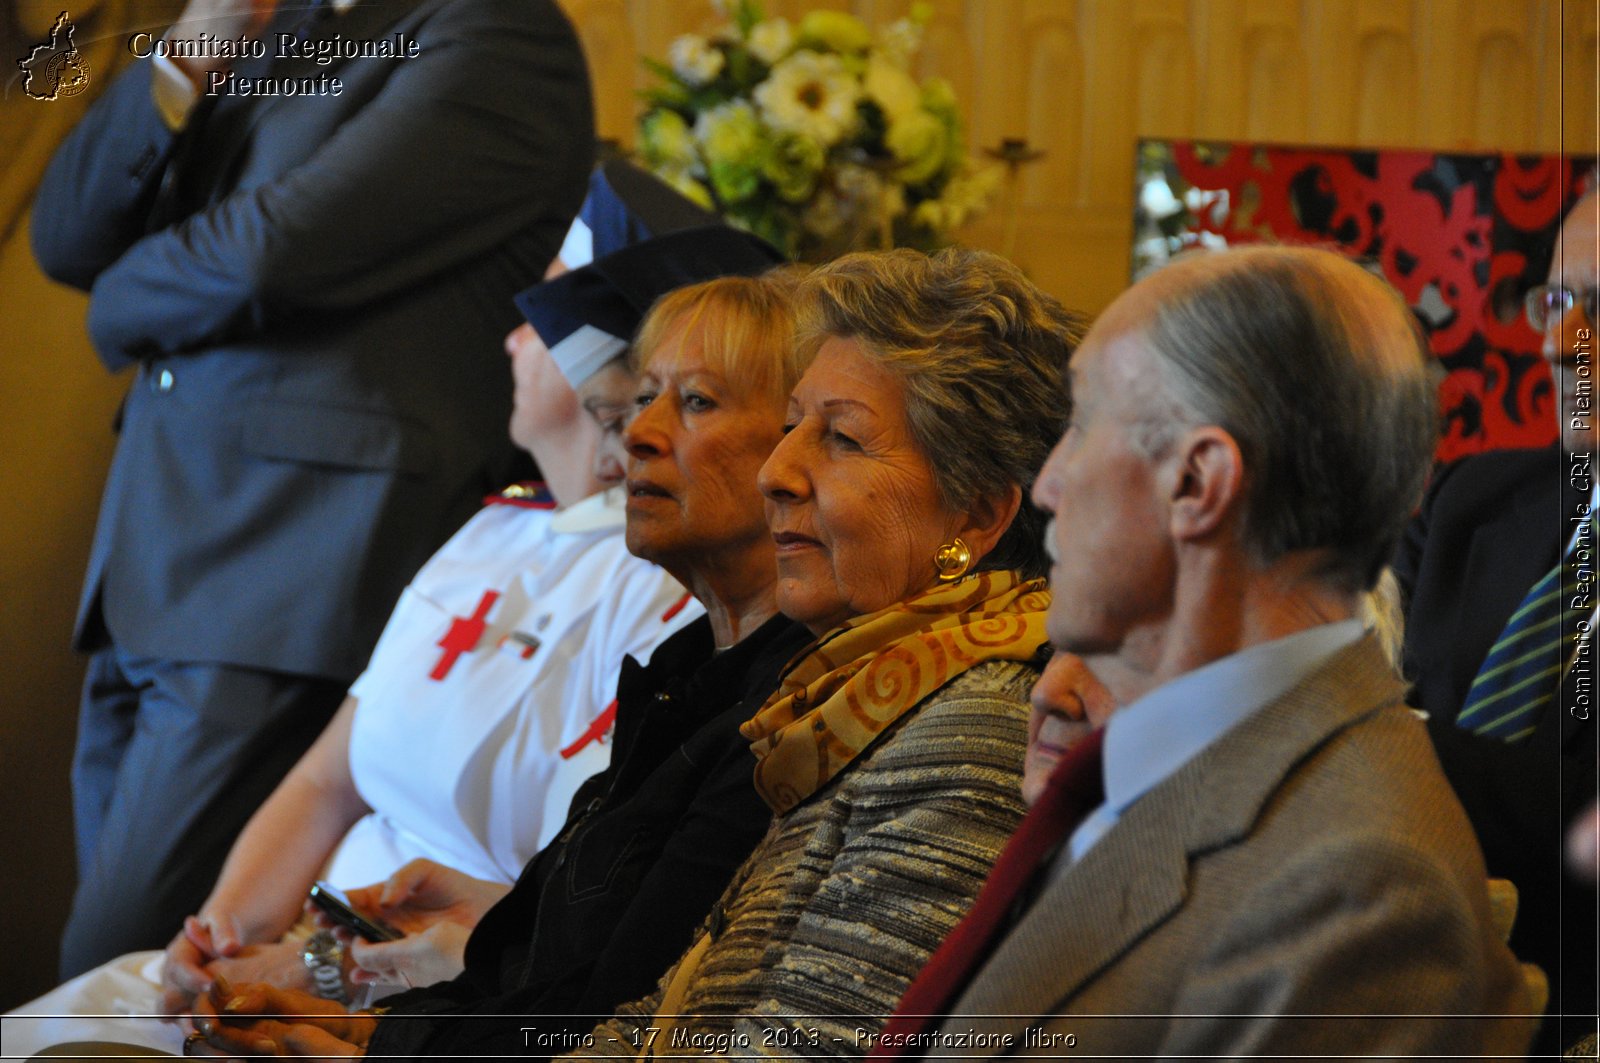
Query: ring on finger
194,1038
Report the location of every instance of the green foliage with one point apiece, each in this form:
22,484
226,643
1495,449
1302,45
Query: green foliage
814,136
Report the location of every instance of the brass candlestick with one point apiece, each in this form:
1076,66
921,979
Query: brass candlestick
1015,154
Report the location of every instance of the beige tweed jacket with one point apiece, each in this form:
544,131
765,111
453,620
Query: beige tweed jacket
1308,884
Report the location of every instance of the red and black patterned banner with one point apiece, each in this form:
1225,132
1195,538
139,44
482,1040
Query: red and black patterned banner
1462,236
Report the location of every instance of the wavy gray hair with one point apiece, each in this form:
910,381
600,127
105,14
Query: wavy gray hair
982,353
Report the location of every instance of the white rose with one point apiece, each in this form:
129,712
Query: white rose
694,59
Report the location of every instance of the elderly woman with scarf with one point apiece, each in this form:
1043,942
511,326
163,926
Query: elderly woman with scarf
891,752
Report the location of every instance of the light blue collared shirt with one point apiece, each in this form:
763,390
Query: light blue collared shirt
1159,733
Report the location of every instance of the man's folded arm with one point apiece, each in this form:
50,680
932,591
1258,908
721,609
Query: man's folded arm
463,146
96,193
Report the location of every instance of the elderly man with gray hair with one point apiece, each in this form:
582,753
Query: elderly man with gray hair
1253,852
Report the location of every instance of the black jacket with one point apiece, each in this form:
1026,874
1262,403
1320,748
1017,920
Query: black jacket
601,913
1489,528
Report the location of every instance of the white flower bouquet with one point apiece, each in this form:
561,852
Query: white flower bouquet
815,137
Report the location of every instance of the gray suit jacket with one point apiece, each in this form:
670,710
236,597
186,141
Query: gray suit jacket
314,290
1311,862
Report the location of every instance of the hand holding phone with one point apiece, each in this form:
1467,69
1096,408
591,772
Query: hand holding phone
333,902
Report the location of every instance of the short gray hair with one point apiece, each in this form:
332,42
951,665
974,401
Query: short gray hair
1319,371
982,353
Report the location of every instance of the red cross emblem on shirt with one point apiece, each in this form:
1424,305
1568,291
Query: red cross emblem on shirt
596,731
464,633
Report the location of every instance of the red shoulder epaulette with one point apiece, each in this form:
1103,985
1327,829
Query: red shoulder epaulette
532,494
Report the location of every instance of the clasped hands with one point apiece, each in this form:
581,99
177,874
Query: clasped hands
262,1020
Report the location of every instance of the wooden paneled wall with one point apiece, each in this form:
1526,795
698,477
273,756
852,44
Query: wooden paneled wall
1083,79
56,407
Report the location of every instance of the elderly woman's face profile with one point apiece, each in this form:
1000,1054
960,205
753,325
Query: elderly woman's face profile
694,448
851,500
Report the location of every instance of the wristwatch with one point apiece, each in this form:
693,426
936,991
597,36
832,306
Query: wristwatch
324,957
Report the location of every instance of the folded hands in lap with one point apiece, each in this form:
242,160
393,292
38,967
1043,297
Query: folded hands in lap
263,1020
213,945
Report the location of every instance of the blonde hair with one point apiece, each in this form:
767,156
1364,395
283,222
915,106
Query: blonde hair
746,327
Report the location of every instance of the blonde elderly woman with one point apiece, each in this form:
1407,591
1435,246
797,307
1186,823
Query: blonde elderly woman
652,842
468,757
891,752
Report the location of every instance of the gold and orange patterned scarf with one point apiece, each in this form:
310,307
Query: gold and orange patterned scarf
856,680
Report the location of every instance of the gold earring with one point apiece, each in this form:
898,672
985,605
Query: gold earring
952,560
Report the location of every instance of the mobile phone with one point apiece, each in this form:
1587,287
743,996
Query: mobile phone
333,901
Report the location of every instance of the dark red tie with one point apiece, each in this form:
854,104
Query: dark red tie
1075,789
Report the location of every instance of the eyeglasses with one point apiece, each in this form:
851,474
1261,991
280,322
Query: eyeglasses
1547,304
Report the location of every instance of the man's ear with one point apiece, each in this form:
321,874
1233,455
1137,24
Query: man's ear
1207,485
986,521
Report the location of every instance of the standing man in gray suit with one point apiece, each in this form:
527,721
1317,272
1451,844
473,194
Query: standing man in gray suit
1257,854
300,225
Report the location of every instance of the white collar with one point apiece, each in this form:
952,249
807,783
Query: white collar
598,512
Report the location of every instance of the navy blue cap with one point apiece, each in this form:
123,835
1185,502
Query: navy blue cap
586,317
626,205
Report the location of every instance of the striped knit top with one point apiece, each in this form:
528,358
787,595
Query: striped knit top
847,896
